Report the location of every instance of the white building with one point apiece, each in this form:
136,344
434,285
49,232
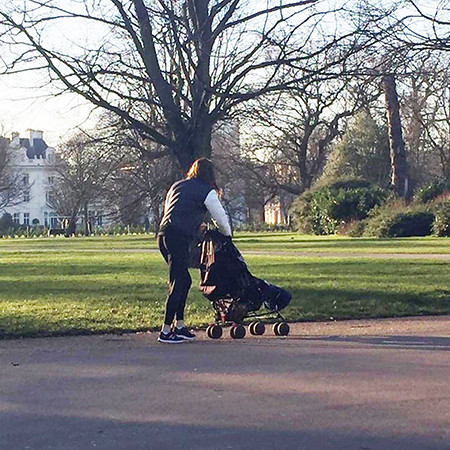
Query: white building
32,159
272,213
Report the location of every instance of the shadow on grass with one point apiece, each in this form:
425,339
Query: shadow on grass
22,270
346,303
308,304
46,296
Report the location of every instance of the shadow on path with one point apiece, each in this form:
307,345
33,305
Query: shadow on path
395,342
77,433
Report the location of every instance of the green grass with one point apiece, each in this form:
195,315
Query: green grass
280,242
292,242
54,286
142,241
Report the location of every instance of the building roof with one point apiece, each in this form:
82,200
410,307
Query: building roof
37,150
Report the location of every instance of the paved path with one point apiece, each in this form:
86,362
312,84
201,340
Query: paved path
433,256
357,385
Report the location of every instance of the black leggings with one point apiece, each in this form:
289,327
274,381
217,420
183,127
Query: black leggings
174,247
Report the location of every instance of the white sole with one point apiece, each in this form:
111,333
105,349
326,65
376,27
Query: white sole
170,342
187,338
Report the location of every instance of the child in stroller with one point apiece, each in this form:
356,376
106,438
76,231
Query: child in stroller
234,292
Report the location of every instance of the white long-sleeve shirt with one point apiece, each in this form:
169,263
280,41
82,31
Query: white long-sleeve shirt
217,212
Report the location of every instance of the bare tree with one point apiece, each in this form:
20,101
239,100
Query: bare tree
423,36
433,32
84,165
399,164
12,187
294,134
137,188
424,97
184,64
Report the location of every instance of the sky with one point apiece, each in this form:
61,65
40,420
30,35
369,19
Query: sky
23,107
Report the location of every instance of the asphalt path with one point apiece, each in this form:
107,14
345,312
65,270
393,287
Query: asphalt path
354,385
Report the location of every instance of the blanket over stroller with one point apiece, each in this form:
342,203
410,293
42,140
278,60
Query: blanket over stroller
224,275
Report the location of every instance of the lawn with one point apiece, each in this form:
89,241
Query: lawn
293,242
279,242
89,285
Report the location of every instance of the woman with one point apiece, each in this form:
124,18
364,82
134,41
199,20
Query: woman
186,203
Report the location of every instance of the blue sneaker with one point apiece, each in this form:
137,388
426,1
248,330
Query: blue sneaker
185,334
170,338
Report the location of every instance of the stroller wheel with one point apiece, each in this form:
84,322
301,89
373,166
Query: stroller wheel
214,332
237,332
275,329
257,328
281,329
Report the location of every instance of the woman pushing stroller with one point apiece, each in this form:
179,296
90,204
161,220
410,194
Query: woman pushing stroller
185,206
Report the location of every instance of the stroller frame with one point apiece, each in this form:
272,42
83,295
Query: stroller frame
237,330
235,306
230,311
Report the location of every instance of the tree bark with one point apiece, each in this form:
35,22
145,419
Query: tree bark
196,145
399,163
86,221
71,228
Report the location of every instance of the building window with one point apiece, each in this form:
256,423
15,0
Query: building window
26,179
46,219
26,196
50,197
51,180
16,218
54,222
26,218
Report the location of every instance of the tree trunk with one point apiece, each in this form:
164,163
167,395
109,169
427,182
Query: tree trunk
86,221
156,217
196,145
71,228
399,164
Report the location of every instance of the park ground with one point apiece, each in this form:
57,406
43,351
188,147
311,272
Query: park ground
58,286
332,384
348,385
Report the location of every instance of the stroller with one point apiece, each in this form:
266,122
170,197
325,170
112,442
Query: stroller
235,293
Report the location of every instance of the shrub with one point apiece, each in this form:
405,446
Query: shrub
441,225
310,215
116,228
352,183
398,220
354,228
6,223
431,191
328,208
417,223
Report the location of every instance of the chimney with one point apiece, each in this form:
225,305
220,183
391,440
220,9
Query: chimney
35,134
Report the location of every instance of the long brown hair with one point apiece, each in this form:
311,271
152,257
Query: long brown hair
203,170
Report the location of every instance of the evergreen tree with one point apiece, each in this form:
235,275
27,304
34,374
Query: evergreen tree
362,152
